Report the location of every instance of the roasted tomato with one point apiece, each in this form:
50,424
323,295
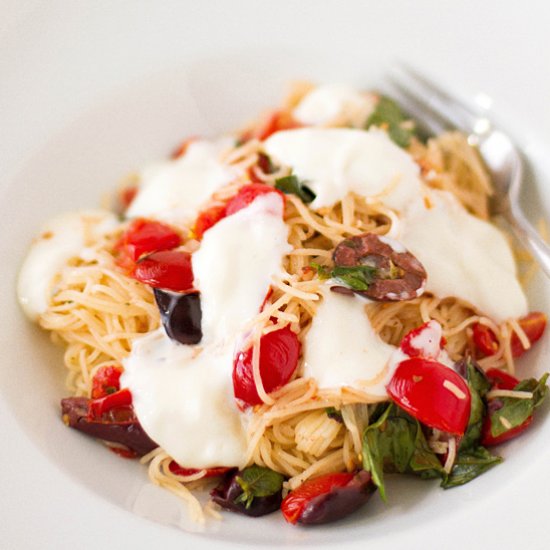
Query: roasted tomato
181,149
168,269
327,498
279,353
207,219
144,237
246,194
533,325
484,339
178,470
425,341
432,393
106,381
275,122
501,380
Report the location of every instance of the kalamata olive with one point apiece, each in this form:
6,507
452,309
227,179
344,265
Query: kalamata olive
181,315
398,274
128,432
228,493
328,498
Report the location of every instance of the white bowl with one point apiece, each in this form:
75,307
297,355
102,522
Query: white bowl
91,92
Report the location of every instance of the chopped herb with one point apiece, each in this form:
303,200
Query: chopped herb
479,385
323,272
291,185
470,465
388,114
396,443
334,413
357,277
257,481
517,411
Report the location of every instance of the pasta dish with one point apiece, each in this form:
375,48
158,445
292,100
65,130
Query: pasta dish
285,315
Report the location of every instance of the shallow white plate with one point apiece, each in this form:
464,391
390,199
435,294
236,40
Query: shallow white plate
90,91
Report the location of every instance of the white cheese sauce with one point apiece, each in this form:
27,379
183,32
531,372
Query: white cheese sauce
61,239
342,349
235,264
183,395
335,103
464,256
335,161
175,190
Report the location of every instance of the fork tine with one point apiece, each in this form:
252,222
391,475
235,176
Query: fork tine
447,107
428,121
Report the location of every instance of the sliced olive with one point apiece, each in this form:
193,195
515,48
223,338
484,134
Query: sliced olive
181,315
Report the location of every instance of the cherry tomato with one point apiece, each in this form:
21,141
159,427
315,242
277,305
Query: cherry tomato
327,498
143,237
488,439
501,379
168,269
98,408
106,381
181,149
247,194
533,325
126,196
207,219
484,339
432,393
178,470
279,353
424,341
295,502
275,122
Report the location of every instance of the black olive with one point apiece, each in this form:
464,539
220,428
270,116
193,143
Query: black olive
339,502
227,494
181,315
126,431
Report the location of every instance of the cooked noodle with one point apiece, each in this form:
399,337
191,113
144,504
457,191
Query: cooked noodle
97,312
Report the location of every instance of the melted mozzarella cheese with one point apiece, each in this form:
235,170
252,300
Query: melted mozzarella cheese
341,348
335,161
60,239
235,264
183,395
464,256
330,103
183,398
174,190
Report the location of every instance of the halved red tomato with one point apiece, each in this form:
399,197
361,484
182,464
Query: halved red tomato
207,219
484,339
501,379
533,325
168,269
279,353
432,393
143,237
106,381
275,122
246,194
178,470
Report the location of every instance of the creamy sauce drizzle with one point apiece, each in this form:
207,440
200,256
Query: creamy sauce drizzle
335,161
335,103
342,349
175,190
61,239
183,395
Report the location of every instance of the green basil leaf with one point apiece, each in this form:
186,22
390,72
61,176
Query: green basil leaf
387,113
257,481
323,272
517,411
357,277
334,413
291,185
479,385
470,465
395,443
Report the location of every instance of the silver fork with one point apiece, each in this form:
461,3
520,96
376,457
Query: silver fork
436,110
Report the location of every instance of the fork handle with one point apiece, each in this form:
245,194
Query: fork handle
529,237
